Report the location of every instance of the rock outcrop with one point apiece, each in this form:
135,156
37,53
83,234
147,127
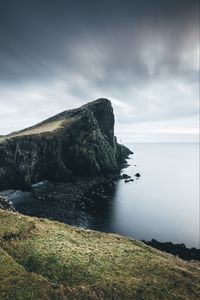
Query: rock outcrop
75,142
6,204
176,249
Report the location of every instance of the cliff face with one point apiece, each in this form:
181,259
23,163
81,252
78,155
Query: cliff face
75,142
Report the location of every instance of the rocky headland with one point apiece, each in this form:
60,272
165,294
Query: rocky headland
77,142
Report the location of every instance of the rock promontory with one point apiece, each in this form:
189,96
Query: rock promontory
77,142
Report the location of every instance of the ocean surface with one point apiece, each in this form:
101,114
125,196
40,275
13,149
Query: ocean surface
163,204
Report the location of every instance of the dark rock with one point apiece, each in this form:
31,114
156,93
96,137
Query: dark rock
5,204
125,176
176,249
78,142
137,175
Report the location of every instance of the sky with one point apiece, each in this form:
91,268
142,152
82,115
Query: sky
142,55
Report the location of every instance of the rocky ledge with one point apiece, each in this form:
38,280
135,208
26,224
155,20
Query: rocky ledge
73,143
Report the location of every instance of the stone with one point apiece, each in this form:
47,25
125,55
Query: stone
5,204
125,176
137,175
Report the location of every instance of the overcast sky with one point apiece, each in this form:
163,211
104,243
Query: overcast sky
142,55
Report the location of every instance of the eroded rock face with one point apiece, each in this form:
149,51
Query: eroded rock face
5,204
75,142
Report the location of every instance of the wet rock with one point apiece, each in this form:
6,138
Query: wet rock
137,175
125,176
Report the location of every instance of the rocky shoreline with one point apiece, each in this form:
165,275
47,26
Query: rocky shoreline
66,202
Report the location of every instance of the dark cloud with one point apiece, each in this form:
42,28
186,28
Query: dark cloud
141,54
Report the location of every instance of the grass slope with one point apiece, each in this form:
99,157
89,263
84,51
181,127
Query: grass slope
41,259
47,127
40,128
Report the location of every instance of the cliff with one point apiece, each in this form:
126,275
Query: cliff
42,259
75,142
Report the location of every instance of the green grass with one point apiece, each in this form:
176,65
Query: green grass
43,128
39,129
41,259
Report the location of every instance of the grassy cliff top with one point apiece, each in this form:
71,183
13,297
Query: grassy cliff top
54,123
47,127
42,259
39,129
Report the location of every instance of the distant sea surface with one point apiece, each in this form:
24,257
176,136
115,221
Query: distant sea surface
162,204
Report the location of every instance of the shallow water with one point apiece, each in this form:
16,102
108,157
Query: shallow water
162,204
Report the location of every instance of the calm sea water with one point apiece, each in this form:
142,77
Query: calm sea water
162,204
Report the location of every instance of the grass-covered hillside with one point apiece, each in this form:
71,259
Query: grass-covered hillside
41,259
43,128
39,129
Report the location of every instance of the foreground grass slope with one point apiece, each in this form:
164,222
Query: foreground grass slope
41,259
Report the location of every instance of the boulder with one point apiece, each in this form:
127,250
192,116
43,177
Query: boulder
137,175
125,176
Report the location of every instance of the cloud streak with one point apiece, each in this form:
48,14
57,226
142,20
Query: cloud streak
143,55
